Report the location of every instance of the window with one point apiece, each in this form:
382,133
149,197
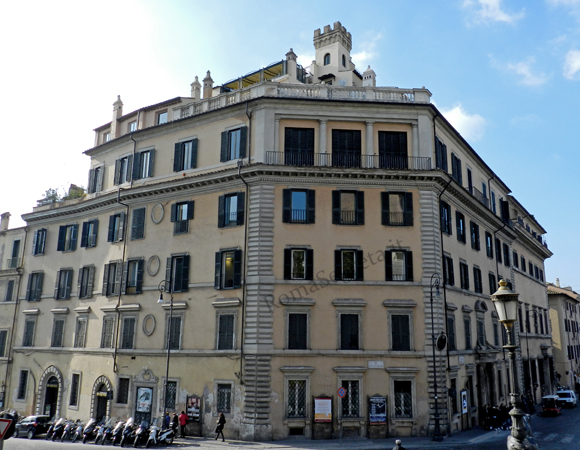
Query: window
185,155
453,396
456,172
397,208
440,155
106,137
536,273
112,279
298,206
298,264
446,218
171,394
400,332
3,340
107,335
475,236
177,271
393,150
451,333
225,332
161,118
541,275
296,406
81,332
181,214
530,268
28,336
95,180
57,333
516,260
228,269
74,389
484,189
460,224
138,224
9,291
123,391
488,244
464,275
143,164
348,207
467,330
297,331
133,276
22,385
348,265
448,275
504,207
123,169
506,255
469,181
34,288
89,233
481,333
233,144
86,281
498,250
399,265
343,61
13,262
299,146
116,227
477,285
346,148
493,208
403,399
128,333
38,242
67,238
523,261
224,398
327,59
349,332
496,333
231,209
63,284
132,126
350,403
174,332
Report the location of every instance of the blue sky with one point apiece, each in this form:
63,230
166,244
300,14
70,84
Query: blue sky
506,73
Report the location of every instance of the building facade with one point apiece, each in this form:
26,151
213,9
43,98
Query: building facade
295,221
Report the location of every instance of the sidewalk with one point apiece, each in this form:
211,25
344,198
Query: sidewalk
464,439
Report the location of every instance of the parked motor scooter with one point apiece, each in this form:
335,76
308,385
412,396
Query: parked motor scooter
157,435
78,431
89,430
50,428
58,429
67,432
128,432
100,437
108,434
141,434
117,432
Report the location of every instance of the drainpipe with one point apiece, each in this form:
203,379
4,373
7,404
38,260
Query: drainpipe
249,114
244,269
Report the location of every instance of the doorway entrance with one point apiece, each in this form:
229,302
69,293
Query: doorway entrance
51,396
101,399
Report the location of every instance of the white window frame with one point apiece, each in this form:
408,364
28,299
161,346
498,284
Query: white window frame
299,373
129,390
403,374
347,374
81,318
298,310
123,318
181,316
215,412
6,344
25,399
226,312
75,407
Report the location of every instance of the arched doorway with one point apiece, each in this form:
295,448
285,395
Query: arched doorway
51,396
101,402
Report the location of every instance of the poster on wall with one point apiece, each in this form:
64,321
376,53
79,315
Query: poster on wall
378,410
144,399
193,407
463,402
323,410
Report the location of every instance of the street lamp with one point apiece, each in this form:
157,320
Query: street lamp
435,282
163,287
506,305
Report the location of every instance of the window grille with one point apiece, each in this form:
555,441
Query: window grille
123,392
74,390
171,394
296,398
22,384
350,402
403,399
224,398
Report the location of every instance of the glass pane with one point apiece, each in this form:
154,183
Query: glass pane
228,269
235,144
398,259
231,209
348,265
145,156
298,206
298,264
187,155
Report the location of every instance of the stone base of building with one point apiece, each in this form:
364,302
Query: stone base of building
251,432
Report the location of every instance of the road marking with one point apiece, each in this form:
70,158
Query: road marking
551,437
567,439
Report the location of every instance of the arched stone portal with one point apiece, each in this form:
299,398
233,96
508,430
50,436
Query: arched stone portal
49,394
100,399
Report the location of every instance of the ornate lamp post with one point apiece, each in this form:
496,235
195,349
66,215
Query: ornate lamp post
435,282
163,288
506,305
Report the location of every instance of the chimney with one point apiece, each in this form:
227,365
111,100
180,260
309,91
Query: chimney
291,64
207,86
195,89
558,282
4,220
117,113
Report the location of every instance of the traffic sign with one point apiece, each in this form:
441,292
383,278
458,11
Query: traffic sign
341,392
4,424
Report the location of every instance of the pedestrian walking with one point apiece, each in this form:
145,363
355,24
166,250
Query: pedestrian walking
166,420
182,422
175,424
220,427
398,445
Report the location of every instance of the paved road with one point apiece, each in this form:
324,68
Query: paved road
552,433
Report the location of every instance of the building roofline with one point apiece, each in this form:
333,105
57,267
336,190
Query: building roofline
531,216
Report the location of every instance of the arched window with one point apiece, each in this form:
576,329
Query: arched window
327,59
343,61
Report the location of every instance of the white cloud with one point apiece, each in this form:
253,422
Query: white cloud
525,120
564,2
367,50
471,126
528,77
491,11
572,64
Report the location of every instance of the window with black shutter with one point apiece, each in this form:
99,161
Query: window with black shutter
132,281
488,244
440,155
143,164
86,281
95,183
231,209
299,146
446,218
185,155
177,271
34,287
298,206
9,291
228,269
89,233
397,208
112,277
38,241
107,334
448,274
456,172
348,265
504,210
346,148
138,224
467,331
62,288
28,336
80,332
497,250
523,262
174,323
460,225
393,150
349,331
123,169
3,339
226,331
516,259
506,255
297,331
116,232
399,265
181,214
57,333
477,286
464,275
452,345
233,145
298,264
475,244
67,238
400,332
348,207
128,333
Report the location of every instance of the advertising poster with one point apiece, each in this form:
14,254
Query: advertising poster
377,410
144,398
464,402
323,410
193,407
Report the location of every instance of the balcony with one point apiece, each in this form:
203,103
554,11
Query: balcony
309,159
12,263
480,197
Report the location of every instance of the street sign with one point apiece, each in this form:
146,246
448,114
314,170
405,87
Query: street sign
4,424
341,392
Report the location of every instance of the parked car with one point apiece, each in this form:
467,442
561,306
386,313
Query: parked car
551,405
567,398
32,426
